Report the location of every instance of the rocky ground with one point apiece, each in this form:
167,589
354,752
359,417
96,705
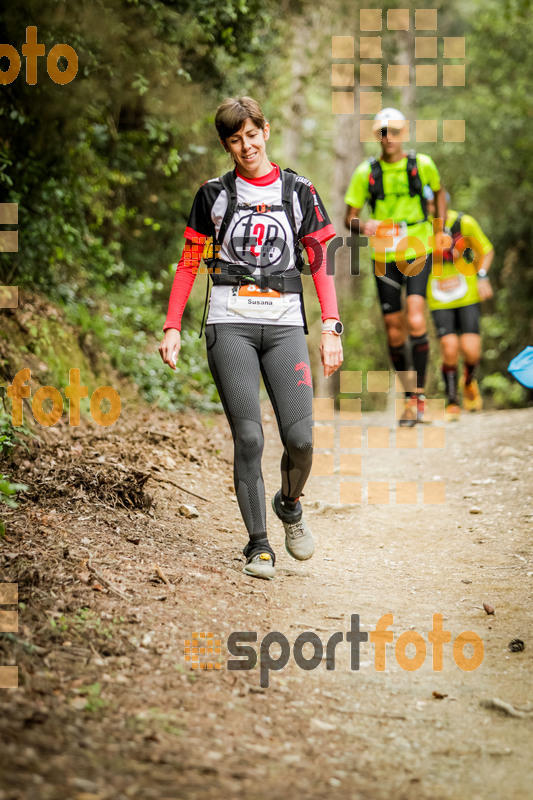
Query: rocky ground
113,577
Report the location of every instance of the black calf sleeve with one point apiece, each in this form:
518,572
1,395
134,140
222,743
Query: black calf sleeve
469,372
420,353
450,382
397,356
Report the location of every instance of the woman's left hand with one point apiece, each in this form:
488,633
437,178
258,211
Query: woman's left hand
330,353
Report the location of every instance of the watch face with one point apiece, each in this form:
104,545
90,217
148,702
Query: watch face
339,327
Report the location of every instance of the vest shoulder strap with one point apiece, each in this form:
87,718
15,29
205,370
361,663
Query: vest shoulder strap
228,182
455,232
375,182
456,227
415,181
288,182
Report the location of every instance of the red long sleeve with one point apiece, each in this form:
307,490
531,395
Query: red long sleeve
186,272
324,284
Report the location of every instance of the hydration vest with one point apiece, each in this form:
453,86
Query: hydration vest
375,183
455,232
277,277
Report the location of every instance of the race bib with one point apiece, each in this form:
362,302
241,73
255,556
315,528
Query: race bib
447,290
251,301
398,232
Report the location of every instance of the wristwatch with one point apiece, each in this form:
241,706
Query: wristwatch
333,326
482,273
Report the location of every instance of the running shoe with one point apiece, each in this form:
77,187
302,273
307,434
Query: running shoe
472,396
298,538
453,412
413,412
260,565
420,407
409,417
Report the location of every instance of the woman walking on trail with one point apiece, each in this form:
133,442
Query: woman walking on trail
256,216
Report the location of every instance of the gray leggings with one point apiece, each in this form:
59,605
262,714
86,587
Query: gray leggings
238,353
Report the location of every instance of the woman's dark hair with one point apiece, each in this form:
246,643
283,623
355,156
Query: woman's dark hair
232,113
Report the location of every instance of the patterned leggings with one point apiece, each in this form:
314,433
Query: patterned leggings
238,354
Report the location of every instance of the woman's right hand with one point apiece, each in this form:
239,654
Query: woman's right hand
170,347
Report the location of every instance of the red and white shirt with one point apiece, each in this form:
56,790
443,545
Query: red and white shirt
258,239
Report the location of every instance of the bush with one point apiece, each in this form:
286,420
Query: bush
9,438
129,327
505,393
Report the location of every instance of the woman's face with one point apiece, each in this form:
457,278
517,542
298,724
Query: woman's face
247,146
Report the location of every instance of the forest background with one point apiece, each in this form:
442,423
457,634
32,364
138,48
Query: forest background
104,169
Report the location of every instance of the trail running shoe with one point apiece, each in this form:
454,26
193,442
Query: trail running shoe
409,417
472,396
260,566
420,407
453,412
298,537
414,410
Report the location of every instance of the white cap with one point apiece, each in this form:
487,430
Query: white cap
389,117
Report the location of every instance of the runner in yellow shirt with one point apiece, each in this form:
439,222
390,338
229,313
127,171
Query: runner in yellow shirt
454,300
393,186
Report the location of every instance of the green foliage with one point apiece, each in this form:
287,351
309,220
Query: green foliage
9,438
504,393
9,489
82,623
93,700
129,328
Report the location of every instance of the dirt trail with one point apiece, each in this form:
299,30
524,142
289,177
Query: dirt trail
108,708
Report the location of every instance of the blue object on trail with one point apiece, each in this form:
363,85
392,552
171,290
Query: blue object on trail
521,367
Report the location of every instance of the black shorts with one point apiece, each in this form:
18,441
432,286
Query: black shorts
390,284
456,320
